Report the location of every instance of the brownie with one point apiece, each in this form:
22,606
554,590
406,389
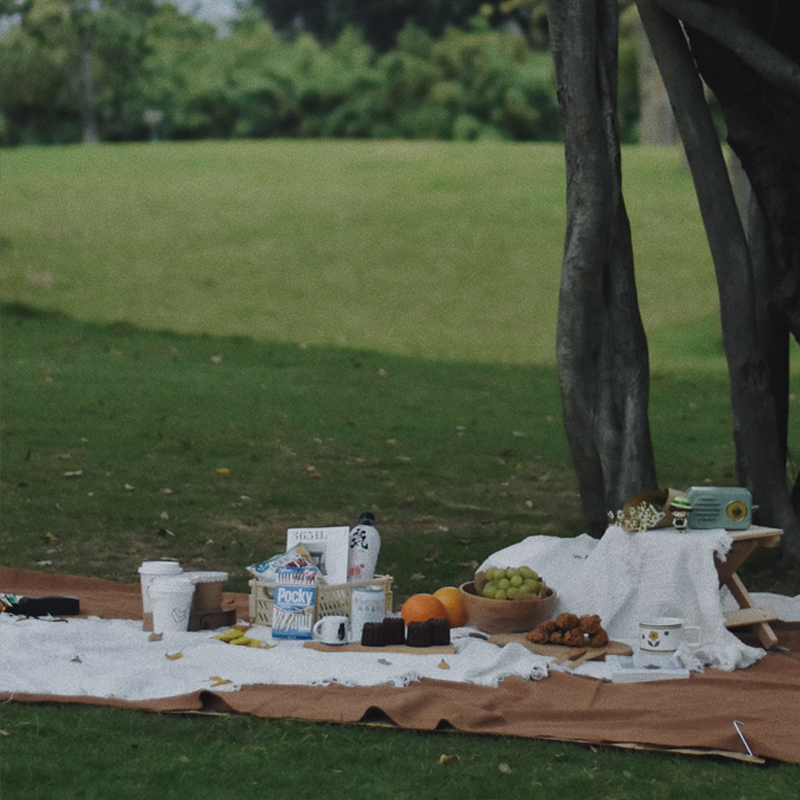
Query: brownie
373,634
395,630
419,634
440,631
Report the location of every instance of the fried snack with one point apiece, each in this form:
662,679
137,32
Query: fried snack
600,639
557,638
549,626
566,622
589,623
574,638
538,636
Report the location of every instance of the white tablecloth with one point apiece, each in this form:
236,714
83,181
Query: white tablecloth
625,577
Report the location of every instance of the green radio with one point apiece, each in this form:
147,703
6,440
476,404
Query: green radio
727,507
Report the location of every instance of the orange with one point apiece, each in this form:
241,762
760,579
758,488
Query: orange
421,608
450,598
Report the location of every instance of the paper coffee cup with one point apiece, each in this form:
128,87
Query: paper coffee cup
172,603
207,590
148,572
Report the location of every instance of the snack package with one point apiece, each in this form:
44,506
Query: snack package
296,558
295,602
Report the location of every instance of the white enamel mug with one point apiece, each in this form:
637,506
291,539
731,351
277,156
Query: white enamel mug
664,635
331,630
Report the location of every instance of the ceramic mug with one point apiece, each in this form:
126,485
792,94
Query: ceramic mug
663,635
331,630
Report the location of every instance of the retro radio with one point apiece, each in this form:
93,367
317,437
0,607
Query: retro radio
726,507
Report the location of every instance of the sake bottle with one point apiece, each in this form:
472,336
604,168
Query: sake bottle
365,544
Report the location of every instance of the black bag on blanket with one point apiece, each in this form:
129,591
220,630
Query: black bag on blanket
42,606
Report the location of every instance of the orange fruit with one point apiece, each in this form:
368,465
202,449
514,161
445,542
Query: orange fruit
450,598
421,608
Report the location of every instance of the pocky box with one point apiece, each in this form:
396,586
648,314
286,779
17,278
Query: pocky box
295,602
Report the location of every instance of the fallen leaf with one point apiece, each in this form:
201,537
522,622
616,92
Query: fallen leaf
217,681
443,665
164,515
174,656
446,759
384,662
417,576
315,475
166,491
223,471
155,637
129,488
77,473
216,359
48,537
505,768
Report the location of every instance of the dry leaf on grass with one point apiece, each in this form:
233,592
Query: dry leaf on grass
446,759
505,768
174,656
443,665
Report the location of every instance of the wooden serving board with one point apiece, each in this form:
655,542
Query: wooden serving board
562,652
357,647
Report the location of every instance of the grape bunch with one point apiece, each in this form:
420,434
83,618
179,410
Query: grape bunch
512,583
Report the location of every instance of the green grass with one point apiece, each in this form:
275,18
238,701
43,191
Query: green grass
342,327
233,757
437,250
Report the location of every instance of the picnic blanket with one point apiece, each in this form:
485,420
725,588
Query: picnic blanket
626,577
693,714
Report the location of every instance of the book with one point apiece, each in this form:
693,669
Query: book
626,669
328,547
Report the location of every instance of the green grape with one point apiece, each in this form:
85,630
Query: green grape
500,594
511,592
511,572
516,580
490,589
503,583
527,572
524,591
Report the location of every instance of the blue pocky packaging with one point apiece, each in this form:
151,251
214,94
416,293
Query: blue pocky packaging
295,602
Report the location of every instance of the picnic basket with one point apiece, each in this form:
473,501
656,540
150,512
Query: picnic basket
331,600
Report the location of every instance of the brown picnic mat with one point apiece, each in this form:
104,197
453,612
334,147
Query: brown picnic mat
697,714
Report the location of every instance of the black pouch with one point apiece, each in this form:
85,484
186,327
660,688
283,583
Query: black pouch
43,606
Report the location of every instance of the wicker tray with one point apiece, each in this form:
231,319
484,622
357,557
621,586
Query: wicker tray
331,600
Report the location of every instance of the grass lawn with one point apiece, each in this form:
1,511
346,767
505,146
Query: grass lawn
204,344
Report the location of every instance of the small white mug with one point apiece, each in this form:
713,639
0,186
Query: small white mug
331,630
663,635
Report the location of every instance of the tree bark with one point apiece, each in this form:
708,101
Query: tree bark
756,425
601,346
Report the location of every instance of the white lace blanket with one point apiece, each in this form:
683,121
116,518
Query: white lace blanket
625,577
114,658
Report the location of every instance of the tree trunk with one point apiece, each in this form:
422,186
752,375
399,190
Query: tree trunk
756,425
656,120
86,92
601,346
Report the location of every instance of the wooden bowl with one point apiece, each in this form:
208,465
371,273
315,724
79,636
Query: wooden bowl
506,616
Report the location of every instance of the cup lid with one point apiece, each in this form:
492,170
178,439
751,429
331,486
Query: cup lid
207,576
161,567
173,583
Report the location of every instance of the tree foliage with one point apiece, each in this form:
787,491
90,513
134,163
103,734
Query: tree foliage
256,82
